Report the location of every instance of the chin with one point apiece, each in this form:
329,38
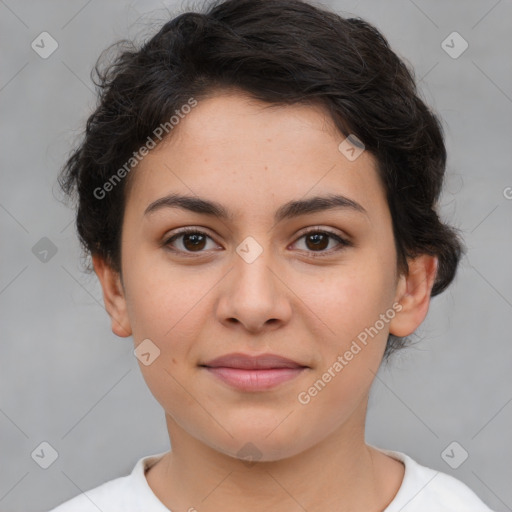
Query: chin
251,445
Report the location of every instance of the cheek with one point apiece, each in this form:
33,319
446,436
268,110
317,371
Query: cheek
167,306
349,299
172,321
164,300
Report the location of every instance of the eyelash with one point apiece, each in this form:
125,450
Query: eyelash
343,243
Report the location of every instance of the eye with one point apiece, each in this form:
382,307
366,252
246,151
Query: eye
317,241
192,240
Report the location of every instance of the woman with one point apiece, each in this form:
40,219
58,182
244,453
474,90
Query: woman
257,189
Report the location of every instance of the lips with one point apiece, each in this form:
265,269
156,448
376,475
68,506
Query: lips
246,362
253,373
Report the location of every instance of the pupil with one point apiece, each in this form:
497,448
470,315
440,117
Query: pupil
195,244
318,238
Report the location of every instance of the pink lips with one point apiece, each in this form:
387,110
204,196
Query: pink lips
254,373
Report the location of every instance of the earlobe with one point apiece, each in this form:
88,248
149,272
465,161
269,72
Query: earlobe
413,294
113,297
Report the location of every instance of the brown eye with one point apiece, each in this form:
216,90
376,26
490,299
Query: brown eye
192,240
317,241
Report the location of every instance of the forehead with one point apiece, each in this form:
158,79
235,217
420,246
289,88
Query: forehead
234,117
231,144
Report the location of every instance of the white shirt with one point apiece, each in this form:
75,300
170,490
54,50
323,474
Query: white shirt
422,490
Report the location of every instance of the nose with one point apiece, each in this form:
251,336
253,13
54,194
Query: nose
254,296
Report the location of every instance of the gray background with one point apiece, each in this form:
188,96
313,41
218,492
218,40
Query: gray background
68,380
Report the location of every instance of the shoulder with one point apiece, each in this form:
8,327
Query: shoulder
122,494
102,497
424,489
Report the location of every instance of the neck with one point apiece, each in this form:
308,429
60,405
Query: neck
340,473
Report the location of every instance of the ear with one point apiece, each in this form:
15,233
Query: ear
113,297
413,294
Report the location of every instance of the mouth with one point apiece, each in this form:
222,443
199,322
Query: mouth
254,373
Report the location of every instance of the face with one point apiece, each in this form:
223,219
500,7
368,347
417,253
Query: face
264,279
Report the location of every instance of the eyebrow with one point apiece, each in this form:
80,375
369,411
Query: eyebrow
289,210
